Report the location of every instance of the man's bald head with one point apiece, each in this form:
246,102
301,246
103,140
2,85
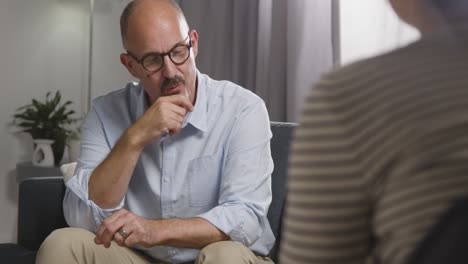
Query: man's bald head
134,5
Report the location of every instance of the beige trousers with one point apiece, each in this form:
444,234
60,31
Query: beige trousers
74,245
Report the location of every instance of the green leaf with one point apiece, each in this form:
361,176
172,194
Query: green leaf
26,124
47,119
23,107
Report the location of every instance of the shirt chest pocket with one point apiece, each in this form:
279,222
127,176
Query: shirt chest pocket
204,176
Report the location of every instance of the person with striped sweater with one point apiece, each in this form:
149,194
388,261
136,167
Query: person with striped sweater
382,150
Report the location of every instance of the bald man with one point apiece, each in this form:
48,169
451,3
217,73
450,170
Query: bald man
173,169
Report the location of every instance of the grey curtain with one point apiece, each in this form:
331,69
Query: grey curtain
228,38
275,48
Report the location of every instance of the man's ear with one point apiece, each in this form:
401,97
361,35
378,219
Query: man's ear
194,39
129,64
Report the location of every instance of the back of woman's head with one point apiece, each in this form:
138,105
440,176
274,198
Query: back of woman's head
449,4
453,10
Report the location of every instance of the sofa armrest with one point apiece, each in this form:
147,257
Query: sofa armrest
280,142
40,210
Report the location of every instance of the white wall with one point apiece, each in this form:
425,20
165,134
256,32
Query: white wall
43,47
107,72
370,27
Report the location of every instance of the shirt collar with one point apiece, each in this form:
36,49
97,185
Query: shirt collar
198,118
142,102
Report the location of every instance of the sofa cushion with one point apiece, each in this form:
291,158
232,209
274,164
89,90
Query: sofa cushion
67,170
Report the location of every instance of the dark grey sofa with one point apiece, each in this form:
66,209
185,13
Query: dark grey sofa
40,204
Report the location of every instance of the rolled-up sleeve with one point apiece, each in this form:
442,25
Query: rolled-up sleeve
79,210
245,191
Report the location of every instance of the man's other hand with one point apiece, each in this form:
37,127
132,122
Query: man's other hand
137,230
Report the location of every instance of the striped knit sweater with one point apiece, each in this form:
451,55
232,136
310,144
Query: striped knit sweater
381,152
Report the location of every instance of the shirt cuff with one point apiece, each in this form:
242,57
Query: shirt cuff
236,221
78,184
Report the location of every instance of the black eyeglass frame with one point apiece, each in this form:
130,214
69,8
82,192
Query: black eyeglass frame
162,55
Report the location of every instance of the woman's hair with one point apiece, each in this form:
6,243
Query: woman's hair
447,4
452,9
450,5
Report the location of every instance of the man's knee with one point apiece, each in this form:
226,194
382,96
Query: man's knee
225,251
63,244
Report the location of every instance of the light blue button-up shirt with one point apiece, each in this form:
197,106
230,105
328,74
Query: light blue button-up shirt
217,168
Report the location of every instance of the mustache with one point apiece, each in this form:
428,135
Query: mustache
170,82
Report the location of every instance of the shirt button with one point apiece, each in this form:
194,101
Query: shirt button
165,179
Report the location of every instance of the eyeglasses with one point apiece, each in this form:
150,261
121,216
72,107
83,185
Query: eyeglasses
154,61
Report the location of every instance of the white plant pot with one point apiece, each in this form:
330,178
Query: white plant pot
43,155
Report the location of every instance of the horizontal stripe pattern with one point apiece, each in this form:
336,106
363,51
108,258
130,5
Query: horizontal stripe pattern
381,152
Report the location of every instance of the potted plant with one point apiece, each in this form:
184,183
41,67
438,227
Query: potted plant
51,119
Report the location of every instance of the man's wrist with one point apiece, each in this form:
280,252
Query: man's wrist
132,141
159,232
